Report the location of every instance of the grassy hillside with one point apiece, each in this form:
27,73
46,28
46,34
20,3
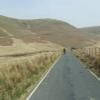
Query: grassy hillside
24,56
18,77
94,32
39,30
22,66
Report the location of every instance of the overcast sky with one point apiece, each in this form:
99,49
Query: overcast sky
79,13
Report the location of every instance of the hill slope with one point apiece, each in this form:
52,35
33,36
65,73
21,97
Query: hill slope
94,32
39,30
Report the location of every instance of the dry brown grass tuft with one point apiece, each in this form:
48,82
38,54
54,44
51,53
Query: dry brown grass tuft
93,62
18,76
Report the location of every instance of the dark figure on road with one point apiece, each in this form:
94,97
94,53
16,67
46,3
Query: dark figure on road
64,51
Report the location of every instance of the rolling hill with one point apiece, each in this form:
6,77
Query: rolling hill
40,30
93,32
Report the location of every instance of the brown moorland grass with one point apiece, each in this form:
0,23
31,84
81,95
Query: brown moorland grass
18,76
41,30
92,62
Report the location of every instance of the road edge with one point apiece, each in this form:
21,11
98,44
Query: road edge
89,70
93,74
43,78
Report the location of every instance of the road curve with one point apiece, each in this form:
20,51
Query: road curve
68,80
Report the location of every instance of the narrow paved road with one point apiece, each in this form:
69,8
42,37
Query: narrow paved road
68,80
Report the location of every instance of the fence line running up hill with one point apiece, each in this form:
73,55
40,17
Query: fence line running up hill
94,51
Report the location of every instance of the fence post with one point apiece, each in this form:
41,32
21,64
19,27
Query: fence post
89,52
92,52
99,50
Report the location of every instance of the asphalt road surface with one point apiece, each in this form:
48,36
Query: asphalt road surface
68,80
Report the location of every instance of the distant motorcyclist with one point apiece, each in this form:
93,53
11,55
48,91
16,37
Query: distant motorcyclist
64,50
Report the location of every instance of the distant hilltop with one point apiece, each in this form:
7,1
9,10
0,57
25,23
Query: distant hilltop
53,30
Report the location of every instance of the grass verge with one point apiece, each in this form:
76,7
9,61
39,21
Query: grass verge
18,76
93,63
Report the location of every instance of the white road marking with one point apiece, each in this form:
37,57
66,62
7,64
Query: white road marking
28,98
92,98
91,72
94,75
